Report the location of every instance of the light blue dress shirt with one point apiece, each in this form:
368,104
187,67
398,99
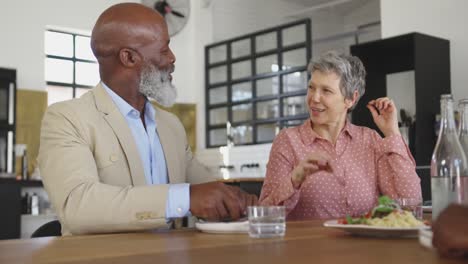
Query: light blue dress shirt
152,154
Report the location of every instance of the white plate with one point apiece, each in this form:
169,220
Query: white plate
223,227
425,238
375,231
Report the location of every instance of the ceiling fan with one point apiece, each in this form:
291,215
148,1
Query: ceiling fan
175,12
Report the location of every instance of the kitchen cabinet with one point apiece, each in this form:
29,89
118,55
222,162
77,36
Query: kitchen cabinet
7,120
11,206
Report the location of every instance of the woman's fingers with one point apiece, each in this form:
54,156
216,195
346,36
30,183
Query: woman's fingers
381,104
314,165
310,168
373,110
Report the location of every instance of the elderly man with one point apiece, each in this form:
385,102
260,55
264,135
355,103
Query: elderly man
110,161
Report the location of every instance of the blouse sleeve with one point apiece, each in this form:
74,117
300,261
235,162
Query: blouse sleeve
396,168
277,188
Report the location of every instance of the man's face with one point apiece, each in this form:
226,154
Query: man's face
155,75
156,84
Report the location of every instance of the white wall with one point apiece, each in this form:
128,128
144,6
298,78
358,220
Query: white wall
233,18
188,47
22,25
441,18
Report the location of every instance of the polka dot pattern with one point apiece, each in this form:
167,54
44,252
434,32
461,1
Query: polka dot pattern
365,166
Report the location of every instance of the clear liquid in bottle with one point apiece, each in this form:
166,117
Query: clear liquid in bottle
463,128
448,163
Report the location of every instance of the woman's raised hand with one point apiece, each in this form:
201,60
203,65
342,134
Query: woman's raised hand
314,162
384,113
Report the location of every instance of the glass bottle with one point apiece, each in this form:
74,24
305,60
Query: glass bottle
463,128
448,163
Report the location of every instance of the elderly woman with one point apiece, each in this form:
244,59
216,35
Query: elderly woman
330,168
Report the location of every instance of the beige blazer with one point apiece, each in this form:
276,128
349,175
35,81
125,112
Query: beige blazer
92,170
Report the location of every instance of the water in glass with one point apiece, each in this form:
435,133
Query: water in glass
267,221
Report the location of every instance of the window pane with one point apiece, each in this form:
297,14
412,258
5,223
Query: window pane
218,137
267,86
58,93
267,64
268,109
58,70
218,116
58,44
294,106
241,69
218,95
240,48
295,81
218,74
242,112
293,35
241,91
294,58
267,132
242,134
265,42
83,48
217,54
87,73
80,91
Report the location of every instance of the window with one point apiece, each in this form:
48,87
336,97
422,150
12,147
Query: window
257,83
70,66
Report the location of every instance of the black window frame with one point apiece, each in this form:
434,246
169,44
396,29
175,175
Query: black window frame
281,121
73,85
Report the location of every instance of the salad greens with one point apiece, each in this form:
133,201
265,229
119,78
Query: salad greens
385,206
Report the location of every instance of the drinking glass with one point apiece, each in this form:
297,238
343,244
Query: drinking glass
413,205
267,221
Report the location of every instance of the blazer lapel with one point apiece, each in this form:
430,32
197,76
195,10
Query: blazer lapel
167,141
115,119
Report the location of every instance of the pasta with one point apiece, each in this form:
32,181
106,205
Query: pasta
396,219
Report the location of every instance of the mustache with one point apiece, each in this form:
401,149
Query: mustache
170,69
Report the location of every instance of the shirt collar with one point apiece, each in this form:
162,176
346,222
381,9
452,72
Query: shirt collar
309,135
126,109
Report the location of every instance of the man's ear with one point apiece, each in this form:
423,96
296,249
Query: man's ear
129,57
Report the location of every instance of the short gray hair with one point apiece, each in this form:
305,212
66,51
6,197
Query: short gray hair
349,69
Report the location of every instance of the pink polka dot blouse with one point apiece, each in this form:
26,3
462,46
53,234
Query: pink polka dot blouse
365,166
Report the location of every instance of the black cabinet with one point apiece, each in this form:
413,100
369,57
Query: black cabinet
7,119
429,58
11,205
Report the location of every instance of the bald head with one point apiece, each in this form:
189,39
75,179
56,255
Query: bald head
127,25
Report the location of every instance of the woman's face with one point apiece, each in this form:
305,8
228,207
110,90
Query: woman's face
327,105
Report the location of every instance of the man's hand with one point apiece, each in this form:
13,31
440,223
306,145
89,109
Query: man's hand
216,201
451,232
384,113
314,162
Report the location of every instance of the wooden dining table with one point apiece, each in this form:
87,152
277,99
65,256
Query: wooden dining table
304,242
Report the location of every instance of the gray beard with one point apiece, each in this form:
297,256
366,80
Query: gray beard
155,84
